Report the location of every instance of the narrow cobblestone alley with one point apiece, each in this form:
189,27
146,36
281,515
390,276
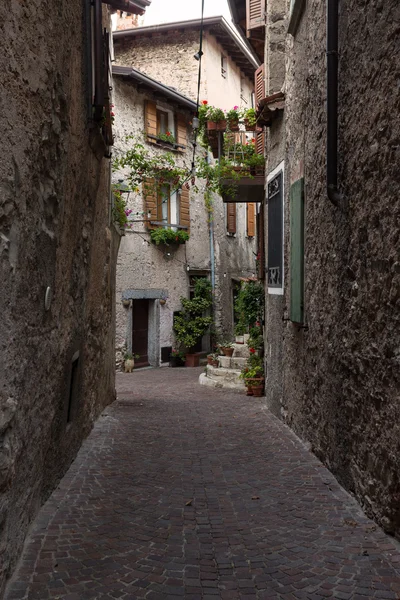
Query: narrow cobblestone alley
186,492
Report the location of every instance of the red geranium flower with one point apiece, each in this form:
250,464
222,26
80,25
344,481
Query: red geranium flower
204,102
257,324
167,133
252,350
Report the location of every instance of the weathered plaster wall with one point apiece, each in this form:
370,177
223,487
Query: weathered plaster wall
341,377
53,233
221,92
141,265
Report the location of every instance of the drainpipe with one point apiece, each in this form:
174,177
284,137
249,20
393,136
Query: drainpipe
332,46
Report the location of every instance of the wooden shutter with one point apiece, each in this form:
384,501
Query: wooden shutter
261,242
251,217
181,130
259,84
231,217
260,143
184,209
150,118
297,251
255,14
150,201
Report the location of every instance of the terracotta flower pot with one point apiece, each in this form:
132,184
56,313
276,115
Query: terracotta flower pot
249,391
192,360
258,390
228,351
221,125
211,125
248,126
210,360
215,364
234,125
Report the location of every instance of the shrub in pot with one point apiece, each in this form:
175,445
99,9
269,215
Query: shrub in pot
129,361
190,324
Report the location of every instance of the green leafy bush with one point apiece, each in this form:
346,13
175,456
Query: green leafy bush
190,324
249,304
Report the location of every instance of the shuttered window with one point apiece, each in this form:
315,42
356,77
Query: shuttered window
260,143
160,121
255,14
231,217
297,251
150,201
181,130
259,84
184,208
150,117
251,219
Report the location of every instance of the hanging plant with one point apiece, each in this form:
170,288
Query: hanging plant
168,236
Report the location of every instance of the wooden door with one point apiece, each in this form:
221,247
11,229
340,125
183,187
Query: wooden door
140,332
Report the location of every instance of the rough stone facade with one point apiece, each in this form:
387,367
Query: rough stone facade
144,267
55,237
336,382
169,58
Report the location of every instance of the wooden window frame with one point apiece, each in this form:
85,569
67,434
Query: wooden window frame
159,206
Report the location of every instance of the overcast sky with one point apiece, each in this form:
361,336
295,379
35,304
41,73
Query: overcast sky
165,11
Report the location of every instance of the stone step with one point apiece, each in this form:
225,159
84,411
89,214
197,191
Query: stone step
221,372
221,383
241,351
232,363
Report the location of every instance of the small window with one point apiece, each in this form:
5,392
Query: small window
230,218
167,207
224,66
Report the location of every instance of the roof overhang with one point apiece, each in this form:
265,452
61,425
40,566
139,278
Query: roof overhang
144,81
136,7
235,44
238,12
269,107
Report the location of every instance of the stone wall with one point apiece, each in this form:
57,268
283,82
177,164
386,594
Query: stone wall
143,266
340,388
54,233
169,58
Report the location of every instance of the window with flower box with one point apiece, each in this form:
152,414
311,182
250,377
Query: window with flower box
163,126
165,206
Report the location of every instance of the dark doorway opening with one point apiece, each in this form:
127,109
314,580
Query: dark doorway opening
140,332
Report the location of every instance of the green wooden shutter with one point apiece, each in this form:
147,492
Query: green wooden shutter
297,251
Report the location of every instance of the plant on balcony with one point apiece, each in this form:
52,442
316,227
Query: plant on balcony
168,236
249,304
250,118
232,117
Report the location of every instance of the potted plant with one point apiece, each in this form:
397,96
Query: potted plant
226,348
129,361
240,330
216,119
190,324
168,237
232,116
250,119
255,378
210,359
166,138
215,362
176,359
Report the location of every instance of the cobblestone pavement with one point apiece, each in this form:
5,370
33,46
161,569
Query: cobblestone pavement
189,492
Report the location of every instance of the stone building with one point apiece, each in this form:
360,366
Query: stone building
58,248
160,59
151,279
332,245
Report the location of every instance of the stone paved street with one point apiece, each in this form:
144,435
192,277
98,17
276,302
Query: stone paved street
189,492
